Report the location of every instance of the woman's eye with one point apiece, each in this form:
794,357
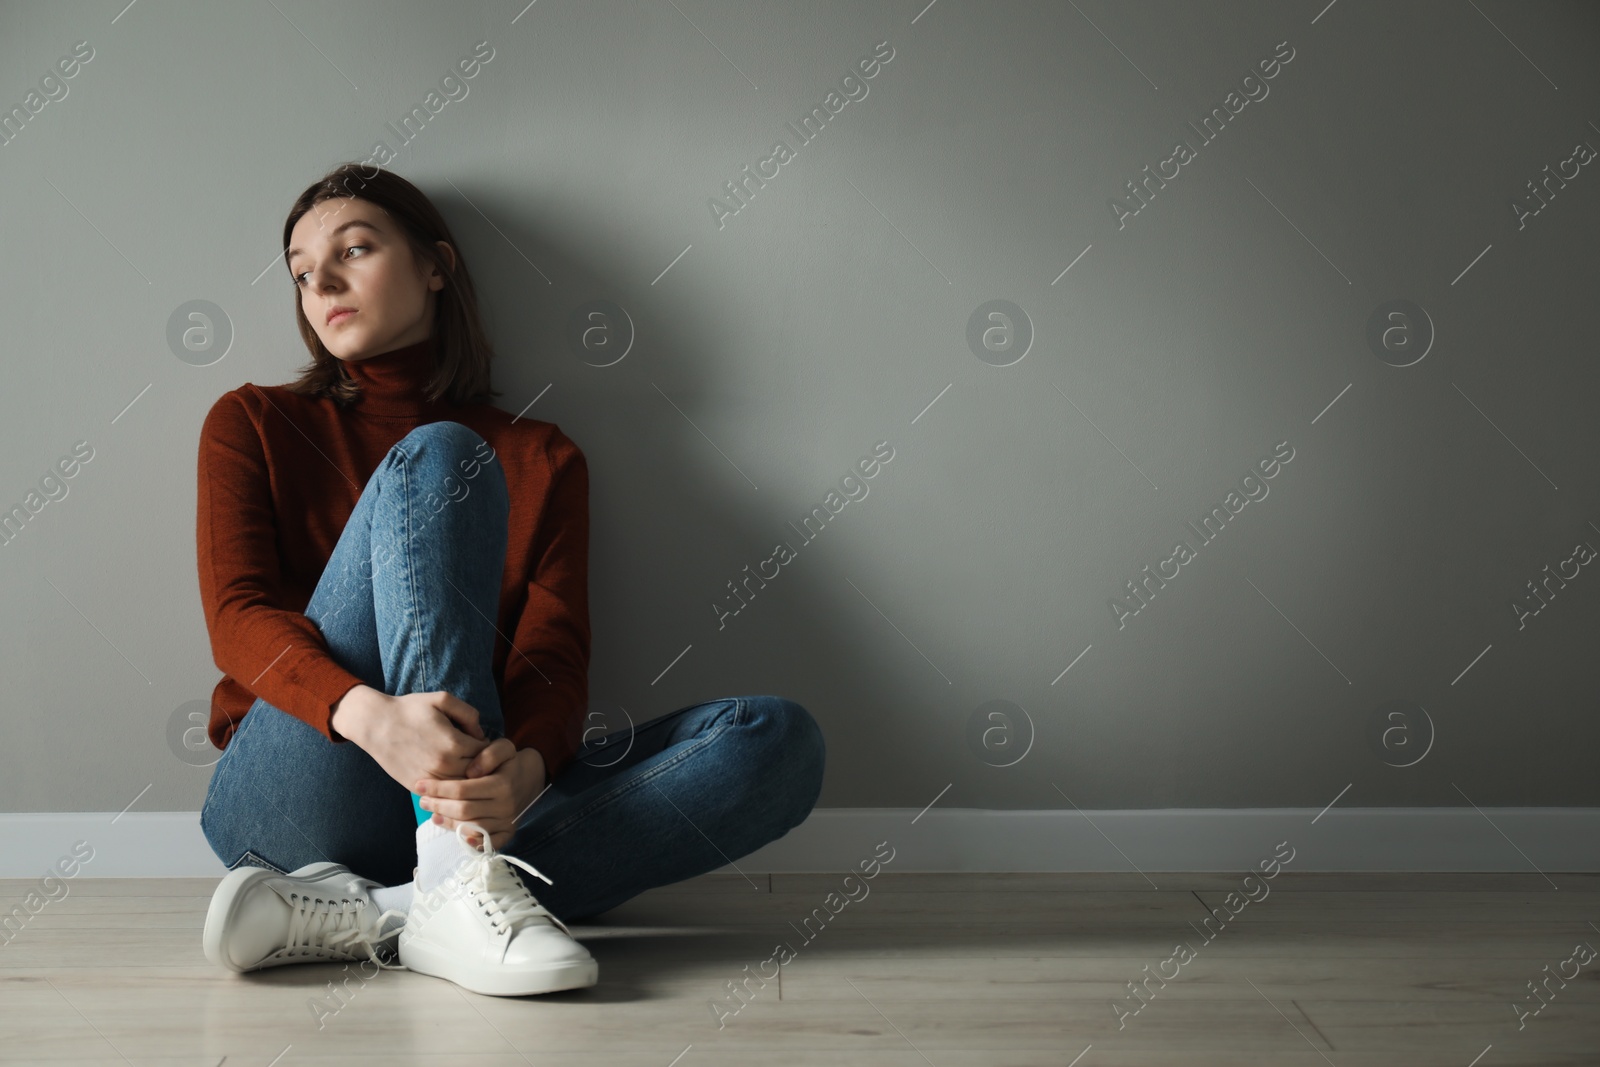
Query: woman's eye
299,279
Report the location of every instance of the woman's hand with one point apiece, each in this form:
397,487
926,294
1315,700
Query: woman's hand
416,735
501,783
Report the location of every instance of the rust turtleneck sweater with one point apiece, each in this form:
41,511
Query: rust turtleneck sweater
279,475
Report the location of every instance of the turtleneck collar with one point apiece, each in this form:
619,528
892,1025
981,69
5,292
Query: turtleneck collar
392,383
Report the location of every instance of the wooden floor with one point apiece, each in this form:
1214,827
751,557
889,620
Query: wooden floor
945,969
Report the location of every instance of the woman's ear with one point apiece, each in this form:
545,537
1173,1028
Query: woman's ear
447,253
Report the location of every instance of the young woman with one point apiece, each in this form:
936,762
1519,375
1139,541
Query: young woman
394,574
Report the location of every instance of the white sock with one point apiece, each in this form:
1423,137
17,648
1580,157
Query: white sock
396,897
439,853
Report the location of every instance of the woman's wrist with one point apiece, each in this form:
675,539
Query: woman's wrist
349,714
533,775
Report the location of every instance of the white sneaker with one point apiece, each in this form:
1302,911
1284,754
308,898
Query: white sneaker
323,911
483,930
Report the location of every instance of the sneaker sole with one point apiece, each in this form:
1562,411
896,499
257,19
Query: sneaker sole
572,974
225,905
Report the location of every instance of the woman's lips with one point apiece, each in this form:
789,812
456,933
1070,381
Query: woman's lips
340,317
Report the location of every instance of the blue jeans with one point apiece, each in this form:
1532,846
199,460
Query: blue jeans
693,791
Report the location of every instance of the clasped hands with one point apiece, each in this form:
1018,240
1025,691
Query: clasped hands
432,744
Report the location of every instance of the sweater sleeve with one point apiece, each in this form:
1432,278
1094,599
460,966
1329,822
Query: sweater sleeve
277,654
545,693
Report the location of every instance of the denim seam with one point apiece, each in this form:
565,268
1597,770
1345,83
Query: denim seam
252,853
411,571
642,780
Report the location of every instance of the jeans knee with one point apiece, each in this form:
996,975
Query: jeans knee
451,438
447,434
466,456
799,749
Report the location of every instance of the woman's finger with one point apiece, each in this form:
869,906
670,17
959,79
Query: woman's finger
487,787
499,830
462,714
491,758
491,814
458,810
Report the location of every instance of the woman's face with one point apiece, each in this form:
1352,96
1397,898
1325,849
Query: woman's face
348,253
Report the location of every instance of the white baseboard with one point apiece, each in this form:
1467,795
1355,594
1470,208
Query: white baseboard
169,844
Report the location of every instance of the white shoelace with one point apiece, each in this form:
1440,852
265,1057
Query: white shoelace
495,887
325,928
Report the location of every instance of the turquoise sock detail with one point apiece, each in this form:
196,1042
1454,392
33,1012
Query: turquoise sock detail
416,806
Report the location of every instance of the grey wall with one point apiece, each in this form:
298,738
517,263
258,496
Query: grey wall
835,310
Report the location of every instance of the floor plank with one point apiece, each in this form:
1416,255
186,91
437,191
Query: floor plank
950,969
1498,907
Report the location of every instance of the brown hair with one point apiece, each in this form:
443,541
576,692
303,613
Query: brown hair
462,375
